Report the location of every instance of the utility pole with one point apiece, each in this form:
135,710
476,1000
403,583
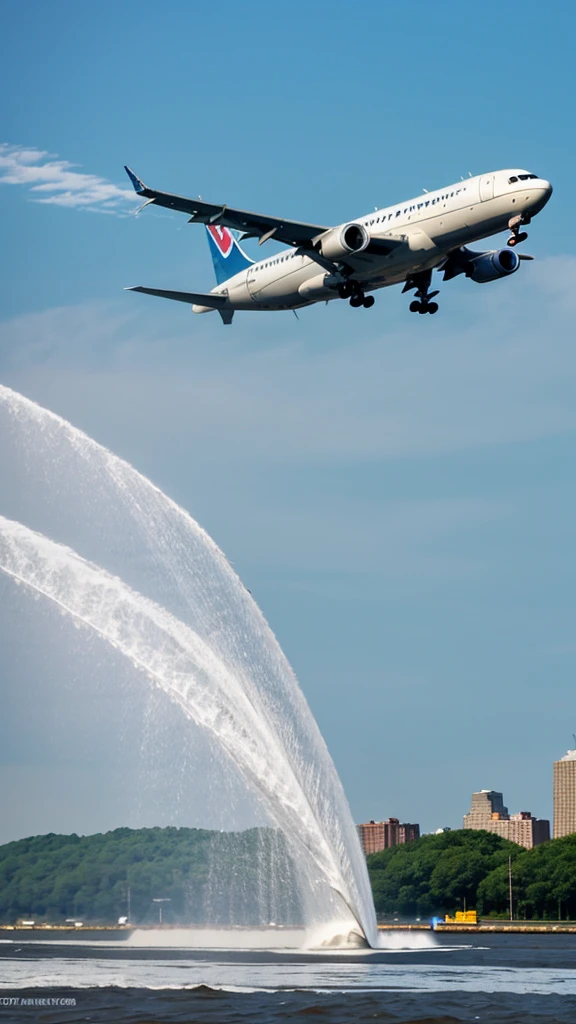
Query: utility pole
510,885
128,902
160,900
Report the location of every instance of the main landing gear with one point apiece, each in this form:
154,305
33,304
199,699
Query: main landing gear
422,303
424,307
514,224
352,290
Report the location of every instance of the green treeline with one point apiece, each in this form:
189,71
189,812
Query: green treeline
248,877
204,877
442,873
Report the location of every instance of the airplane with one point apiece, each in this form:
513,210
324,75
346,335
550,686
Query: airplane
399,244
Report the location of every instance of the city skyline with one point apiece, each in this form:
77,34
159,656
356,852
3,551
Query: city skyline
488,812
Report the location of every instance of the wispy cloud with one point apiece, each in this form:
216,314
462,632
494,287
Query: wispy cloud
57,182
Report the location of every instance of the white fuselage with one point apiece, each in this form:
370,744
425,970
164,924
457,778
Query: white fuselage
424,231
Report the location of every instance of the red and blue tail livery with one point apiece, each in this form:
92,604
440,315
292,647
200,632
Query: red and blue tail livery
227,256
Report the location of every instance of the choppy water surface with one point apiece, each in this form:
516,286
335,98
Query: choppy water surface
498,980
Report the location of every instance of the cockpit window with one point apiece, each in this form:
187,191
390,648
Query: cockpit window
521,177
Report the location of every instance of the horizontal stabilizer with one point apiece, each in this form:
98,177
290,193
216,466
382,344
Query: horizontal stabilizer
194,298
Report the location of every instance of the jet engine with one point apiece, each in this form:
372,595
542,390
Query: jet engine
323,286
490,266
344,241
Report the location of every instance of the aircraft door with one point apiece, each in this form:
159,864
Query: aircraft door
252,282
487,187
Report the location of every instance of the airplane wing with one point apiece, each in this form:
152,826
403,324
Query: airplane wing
252,225
194,298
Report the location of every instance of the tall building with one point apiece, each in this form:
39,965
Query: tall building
565,795
488,812
380,835
484,804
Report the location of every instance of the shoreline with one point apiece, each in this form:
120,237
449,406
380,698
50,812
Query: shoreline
124,932
536,927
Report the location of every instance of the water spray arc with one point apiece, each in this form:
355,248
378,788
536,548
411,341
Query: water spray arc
197,635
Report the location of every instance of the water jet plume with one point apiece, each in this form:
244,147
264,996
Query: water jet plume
116,554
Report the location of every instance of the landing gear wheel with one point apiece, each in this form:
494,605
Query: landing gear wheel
368,301
422,301
515,224
356,301
345,290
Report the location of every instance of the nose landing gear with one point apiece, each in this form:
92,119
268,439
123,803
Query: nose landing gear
421,282
514,224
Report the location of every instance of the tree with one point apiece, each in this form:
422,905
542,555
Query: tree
436,874
543,882
204,875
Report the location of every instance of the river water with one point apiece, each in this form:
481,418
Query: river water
495,979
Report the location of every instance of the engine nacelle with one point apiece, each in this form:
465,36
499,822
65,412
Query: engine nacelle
344,241
323,286
490,266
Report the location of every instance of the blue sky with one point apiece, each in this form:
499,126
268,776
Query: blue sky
397,492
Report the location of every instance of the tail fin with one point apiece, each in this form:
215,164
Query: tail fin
227,256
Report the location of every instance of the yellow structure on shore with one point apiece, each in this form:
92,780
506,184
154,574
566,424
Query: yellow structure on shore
462,917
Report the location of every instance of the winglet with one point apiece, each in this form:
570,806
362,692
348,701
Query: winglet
139,186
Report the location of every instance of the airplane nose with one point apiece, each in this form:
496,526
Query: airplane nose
540,195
